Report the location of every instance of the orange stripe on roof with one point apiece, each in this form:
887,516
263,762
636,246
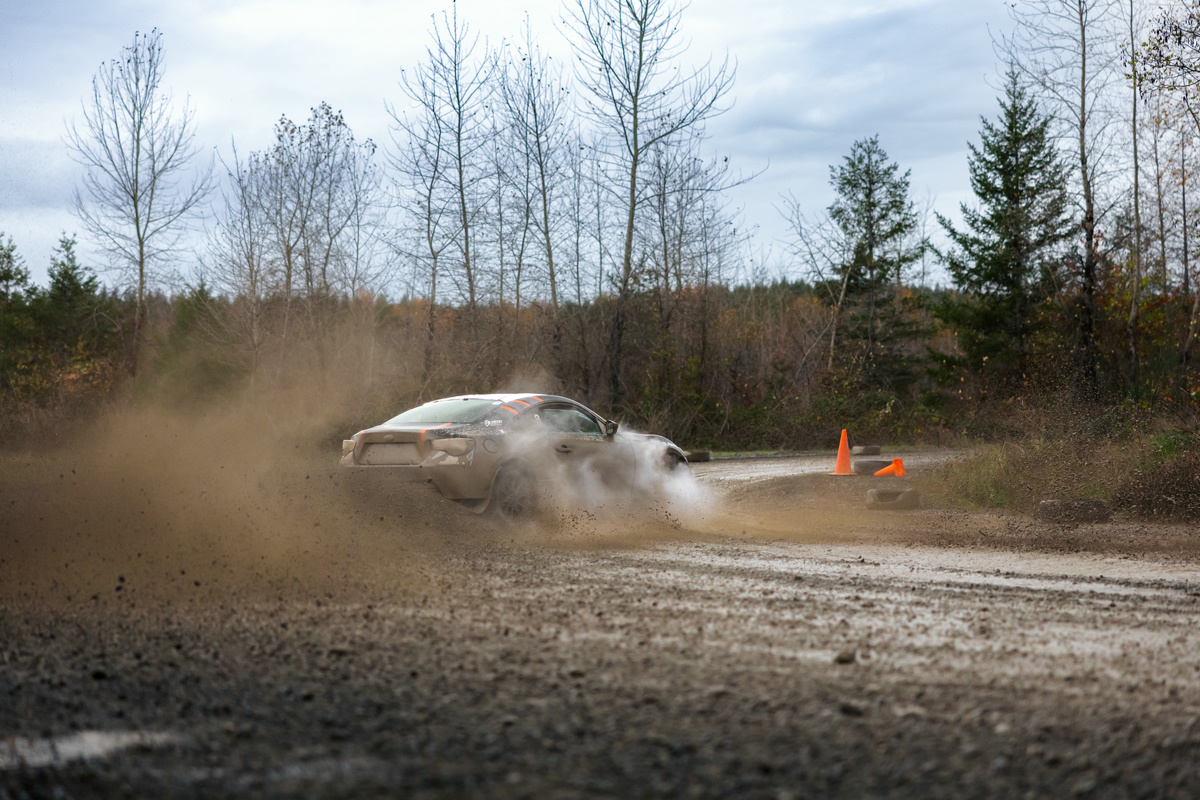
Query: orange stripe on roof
522,402
536,398
513,410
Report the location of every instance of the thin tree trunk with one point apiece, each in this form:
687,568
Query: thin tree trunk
138,312
1131,323
1183,176
430,325
618,329
1187,270
546,230
837,311
1195,312
1159,200
1087,311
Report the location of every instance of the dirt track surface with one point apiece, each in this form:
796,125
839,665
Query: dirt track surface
778,642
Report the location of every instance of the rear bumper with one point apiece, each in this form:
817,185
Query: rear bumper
455,479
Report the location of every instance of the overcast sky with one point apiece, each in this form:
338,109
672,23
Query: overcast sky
813,76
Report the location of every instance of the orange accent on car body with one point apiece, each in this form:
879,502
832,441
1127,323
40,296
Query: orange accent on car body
522,402
513,410
537,399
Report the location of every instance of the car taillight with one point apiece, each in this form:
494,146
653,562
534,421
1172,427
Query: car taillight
455,447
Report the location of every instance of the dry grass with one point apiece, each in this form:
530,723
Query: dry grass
1146,476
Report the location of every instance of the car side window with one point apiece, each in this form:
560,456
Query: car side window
569,420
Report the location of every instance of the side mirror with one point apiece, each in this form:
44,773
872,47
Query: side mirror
610,428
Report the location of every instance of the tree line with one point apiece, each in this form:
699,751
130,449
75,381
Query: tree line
528,225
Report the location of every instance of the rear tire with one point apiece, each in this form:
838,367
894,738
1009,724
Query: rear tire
514,492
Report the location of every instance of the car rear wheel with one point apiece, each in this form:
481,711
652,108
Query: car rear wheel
514,492
671,461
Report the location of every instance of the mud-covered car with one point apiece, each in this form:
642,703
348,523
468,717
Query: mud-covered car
507,452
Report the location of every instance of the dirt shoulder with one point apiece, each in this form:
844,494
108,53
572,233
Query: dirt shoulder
818,507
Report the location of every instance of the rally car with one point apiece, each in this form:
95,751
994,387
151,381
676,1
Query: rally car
506,453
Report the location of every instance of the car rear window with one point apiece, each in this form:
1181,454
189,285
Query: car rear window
442,411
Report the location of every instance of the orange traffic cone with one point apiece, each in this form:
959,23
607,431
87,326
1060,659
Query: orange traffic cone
843,458
896,468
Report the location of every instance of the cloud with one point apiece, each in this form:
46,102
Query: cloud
35,174
813,77
912,72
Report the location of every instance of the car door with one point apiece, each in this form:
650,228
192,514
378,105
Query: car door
577,438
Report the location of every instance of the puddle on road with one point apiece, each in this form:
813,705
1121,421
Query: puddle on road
1027,617
20,752
1072,573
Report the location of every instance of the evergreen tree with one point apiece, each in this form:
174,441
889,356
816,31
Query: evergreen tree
18,329
876,218
14,278
71,285
1004,262
46,334
69,308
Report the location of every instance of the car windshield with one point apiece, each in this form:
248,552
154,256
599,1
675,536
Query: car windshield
458,410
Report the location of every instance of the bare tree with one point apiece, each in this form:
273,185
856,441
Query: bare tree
536,102
300,224
465,88
301,185
578,191
688,238
1170,60
1158,127
441,139
1069,48
924,206
364,264
336,178
237,262
684,199
823,249
511,229
421,163
138,188
287,204
1183,172
629,54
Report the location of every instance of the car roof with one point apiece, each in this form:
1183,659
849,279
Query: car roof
509,398
517,403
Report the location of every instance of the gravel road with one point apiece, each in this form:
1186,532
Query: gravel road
760,636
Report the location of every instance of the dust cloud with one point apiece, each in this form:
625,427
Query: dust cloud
609,496
248,500
187,505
